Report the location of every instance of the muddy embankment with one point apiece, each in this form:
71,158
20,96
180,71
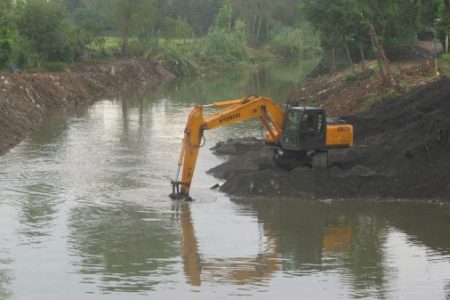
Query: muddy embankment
25,98
402,151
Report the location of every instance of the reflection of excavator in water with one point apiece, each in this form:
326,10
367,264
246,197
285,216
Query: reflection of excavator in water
295,133
237,270
248,269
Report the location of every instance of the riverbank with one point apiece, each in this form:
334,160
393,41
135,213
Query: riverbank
352,91
25,98
402,138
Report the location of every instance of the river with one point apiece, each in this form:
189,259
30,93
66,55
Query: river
85,214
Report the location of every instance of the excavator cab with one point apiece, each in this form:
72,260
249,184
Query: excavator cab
304,129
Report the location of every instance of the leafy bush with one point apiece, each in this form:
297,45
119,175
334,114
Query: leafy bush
23,53
179,62
5,48
225,46
225,43
295,42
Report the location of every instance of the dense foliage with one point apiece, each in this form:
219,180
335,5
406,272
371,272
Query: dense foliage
36,32
47,30
292,42
346,23
225,41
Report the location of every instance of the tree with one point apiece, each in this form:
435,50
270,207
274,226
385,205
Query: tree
5,43
263,16
5,47
73,5
47,29
176,28
353,24
145,20
428,11
226,41
133,16
447,6
257,16
223,18
338,24
125,12
199,14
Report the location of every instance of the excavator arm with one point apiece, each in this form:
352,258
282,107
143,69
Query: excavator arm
268,111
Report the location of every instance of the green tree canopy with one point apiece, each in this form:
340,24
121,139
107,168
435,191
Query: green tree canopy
48,30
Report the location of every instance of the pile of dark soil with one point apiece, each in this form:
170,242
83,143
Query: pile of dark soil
25,98
402,151
412,52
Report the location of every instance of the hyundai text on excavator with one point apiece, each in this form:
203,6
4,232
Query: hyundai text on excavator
294,132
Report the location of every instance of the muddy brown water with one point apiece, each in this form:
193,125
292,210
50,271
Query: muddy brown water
84,214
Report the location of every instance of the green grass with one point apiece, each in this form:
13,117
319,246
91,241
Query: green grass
112,42
115,42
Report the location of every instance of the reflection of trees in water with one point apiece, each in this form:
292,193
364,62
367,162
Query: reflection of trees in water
52,128
37,211
5,280
447,290
317,237
427,224
124,244
366,258
274,80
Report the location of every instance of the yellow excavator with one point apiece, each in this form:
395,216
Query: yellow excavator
295,132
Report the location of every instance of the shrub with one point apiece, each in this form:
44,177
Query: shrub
226,46
295,42
179,62
5,48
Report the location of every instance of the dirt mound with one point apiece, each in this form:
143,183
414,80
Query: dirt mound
25,98
238,146
413,52
402,151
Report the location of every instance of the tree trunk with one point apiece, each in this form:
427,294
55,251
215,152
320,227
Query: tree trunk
255,18
349,56
248,27
363,59
333,60
258,31
125,37
382,59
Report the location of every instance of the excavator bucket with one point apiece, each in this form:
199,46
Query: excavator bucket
177,193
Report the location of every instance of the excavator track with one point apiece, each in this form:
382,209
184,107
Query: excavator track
320,160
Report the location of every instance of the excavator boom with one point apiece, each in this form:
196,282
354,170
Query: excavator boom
268,111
